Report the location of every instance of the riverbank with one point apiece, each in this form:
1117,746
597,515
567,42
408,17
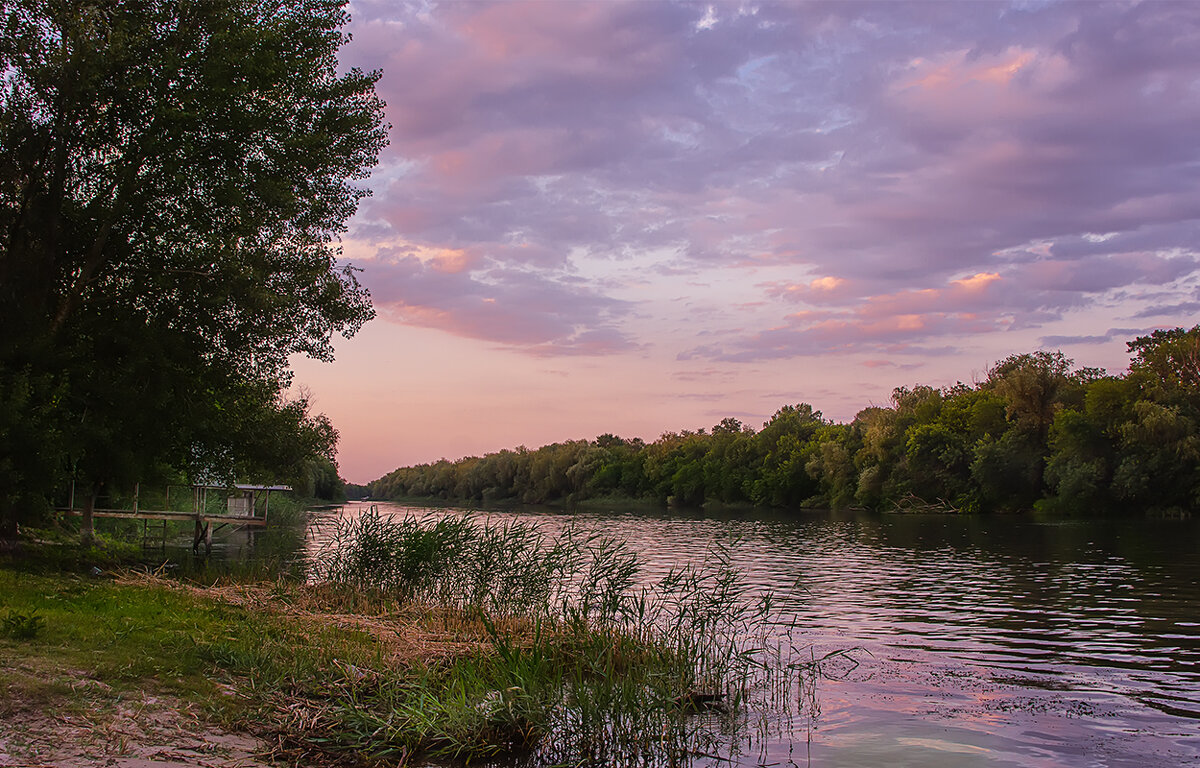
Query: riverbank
125,662
400,651
284,664
135,669
599,503
610,503
55,717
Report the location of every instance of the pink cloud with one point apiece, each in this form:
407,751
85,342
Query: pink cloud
828,289
523,310
980,303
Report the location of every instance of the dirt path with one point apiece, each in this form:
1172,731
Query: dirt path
46,723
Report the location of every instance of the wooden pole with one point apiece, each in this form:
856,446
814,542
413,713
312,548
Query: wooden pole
89,523
137,487
196,512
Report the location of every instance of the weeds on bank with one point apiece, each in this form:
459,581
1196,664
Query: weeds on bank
446,638
21,626
589,661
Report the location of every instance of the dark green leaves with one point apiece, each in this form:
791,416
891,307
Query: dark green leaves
174,178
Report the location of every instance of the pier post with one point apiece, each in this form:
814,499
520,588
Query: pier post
89,523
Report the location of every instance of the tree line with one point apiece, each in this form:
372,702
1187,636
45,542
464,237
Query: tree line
1035,433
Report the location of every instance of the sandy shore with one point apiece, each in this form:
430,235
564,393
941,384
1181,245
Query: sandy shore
42,729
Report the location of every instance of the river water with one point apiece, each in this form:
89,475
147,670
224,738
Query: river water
972,641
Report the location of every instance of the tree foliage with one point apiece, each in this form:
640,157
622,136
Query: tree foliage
1037,432
174,178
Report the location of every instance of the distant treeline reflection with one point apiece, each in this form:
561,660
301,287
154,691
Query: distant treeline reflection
1036,433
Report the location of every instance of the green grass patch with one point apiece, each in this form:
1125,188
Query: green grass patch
446,638
21,626
130,636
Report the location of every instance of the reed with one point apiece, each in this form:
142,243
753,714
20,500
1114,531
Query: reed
588,660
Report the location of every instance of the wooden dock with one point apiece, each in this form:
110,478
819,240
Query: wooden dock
241,507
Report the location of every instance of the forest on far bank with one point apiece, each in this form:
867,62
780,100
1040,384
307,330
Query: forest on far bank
1036,433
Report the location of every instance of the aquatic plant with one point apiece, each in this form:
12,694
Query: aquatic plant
589,659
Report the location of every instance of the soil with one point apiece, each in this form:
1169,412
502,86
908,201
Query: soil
46,723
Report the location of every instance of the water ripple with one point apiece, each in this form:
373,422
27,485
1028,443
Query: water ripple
988,641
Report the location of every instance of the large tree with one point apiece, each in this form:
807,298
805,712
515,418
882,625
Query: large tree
174,176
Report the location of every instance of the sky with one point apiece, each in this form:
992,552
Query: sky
639,217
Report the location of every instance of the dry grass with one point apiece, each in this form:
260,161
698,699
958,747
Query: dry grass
410,633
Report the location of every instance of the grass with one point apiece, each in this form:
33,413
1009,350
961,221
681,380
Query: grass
595,656
451,638
21,626
148,633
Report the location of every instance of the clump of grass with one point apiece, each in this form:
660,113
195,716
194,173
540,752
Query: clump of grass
508,568
603,663
20,625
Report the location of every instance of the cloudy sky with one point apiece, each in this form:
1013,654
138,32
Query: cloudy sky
638,217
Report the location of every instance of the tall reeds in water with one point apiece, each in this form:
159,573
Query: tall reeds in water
591,661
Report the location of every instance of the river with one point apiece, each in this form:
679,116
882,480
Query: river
972,641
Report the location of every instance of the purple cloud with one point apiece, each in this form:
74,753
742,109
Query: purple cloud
887,149
521,309
1119,334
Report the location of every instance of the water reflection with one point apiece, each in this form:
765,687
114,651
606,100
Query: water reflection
986,641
